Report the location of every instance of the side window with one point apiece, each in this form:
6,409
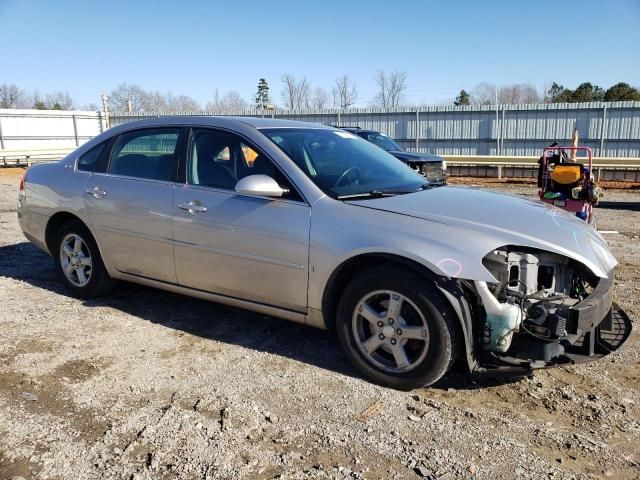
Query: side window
88,161
212,159
145,154
219,159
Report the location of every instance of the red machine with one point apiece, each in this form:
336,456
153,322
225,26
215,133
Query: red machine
567,183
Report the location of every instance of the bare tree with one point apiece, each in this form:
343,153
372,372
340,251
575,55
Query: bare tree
229,103
391,88
182,103
518,93
59,101
530,94
130,96
12,97
320,99
124,93
345,92
484,94
234,102
154,102
36,100
295,93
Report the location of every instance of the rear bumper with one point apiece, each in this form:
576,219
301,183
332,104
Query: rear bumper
33,227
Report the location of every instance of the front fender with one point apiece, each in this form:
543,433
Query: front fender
340,231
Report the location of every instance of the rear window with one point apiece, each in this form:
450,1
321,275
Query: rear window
145,154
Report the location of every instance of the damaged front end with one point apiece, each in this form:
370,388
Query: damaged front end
544,310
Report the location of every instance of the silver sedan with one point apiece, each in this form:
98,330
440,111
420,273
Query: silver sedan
318,226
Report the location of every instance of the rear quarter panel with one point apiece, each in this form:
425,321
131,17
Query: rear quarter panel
51,188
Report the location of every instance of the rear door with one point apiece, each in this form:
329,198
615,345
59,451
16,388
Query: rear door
130,204
247,247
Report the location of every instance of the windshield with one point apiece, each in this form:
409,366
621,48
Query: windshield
384,142
342,164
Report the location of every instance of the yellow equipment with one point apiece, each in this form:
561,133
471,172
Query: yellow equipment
566,174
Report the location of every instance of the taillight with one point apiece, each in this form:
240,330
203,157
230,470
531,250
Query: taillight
23,180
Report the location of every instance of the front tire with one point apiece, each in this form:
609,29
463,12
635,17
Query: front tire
396,328
78,262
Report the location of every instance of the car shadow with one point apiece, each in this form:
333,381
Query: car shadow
209,320
607,204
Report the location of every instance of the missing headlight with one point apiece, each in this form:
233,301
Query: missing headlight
545,285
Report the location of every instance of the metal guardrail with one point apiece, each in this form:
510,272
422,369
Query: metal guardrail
612,167
505,160
19,157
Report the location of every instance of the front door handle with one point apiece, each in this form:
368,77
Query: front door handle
97,192
194,207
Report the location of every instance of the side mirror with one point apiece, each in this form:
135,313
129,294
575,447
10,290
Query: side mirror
260,185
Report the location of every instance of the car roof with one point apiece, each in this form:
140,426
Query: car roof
221,121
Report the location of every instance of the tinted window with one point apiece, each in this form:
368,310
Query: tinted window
145,154
384,142
219,159
88,161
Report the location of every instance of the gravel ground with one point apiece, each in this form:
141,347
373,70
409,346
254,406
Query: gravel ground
145,384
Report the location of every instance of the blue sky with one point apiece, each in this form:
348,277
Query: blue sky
193,47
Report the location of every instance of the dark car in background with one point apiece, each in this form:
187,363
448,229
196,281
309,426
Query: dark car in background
434,167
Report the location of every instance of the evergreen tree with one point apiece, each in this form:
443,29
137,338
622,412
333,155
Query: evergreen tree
554,93
463,98
621,92
262,97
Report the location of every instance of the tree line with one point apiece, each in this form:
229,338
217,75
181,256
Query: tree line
12,96
522,93
297,93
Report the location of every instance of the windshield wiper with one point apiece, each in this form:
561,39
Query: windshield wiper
372,193
388,192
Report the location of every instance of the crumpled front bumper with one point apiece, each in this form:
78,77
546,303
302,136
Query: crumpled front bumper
605,337
596,327
593,310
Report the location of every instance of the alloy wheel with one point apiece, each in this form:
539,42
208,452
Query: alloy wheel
75,260
390,331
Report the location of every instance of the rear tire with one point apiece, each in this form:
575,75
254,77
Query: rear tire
396,328
78,261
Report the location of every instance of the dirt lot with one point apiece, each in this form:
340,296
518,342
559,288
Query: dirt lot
144,384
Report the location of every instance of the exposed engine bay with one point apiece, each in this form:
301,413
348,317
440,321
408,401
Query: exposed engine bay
528,312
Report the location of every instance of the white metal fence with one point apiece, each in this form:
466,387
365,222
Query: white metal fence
471,136
47,129
611,129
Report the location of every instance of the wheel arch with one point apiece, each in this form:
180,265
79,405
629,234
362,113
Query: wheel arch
54,224
451,289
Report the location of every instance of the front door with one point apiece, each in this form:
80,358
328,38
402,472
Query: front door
130,204
252,248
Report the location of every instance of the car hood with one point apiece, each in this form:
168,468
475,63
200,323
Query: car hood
415,157
489,220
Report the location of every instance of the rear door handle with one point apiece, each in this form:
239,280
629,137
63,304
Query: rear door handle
194,207
97,192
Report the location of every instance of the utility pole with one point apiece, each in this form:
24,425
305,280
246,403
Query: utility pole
497,125
129,108
105,107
